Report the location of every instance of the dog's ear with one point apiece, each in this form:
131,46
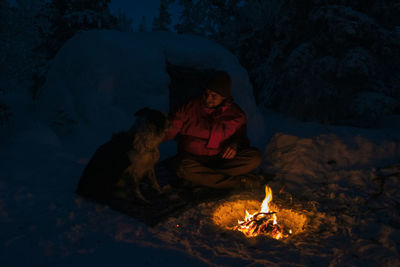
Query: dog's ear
160,121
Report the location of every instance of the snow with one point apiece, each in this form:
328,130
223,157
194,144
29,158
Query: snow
335,175
370,104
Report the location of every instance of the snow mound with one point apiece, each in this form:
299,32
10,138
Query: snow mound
303,162
354,181
100,78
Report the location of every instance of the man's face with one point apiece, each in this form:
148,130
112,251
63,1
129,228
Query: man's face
212,99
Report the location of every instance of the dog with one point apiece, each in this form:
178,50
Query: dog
147,132
117,167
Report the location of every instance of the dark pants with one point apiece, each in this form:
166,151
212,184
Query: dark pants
213,171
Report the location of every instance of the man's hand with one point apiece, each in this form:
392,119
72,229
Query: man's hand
230,152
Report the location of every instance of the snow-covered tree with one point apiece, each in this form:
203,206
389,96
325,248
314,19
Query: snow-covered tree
205,17
142,25
20,38
186,24
323,59
32,31
70,16
123,22
163,20
4,10
4,36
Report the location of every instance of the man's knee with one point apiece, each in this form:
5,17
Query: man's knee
256,158
185,166
252,157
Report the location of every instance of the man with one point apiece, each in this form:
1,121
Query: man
213,149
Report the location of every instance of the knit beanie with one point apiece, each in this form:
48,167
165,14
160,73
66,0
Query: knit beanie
220,83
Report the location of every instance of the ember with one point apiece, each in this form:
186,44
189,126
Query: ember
271,220
263,222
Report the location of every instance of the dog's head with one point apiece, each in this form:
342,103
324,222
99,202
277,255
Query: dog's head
150,125
155,119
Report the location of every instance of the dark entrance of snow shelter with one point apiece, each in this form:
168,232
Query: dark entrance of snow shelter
186,82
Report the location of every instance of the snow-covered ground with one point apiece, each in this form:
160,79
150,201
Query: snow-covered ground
332,174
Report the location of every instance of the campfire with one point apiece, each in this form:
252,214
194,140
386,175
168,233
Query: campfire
263,222
265,219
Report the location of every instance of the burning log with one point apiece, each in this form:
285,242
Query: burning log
263,222
271,221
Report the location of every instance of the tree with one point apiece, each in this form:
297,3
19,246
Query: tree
20,38
4,11
142,26
187,24
162,22
206,17
124,23
4,36
71,16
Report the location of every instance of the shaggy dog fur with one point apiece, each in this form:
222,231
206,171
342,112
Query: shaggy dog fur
116,168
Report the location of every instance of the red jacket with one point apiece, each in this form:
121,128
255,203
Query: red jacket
206,131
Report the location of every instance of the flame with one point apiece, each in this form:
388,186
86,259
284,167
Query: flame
262,222
267,199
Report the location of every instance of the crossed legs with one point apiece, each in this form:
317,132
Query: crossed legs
217,172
